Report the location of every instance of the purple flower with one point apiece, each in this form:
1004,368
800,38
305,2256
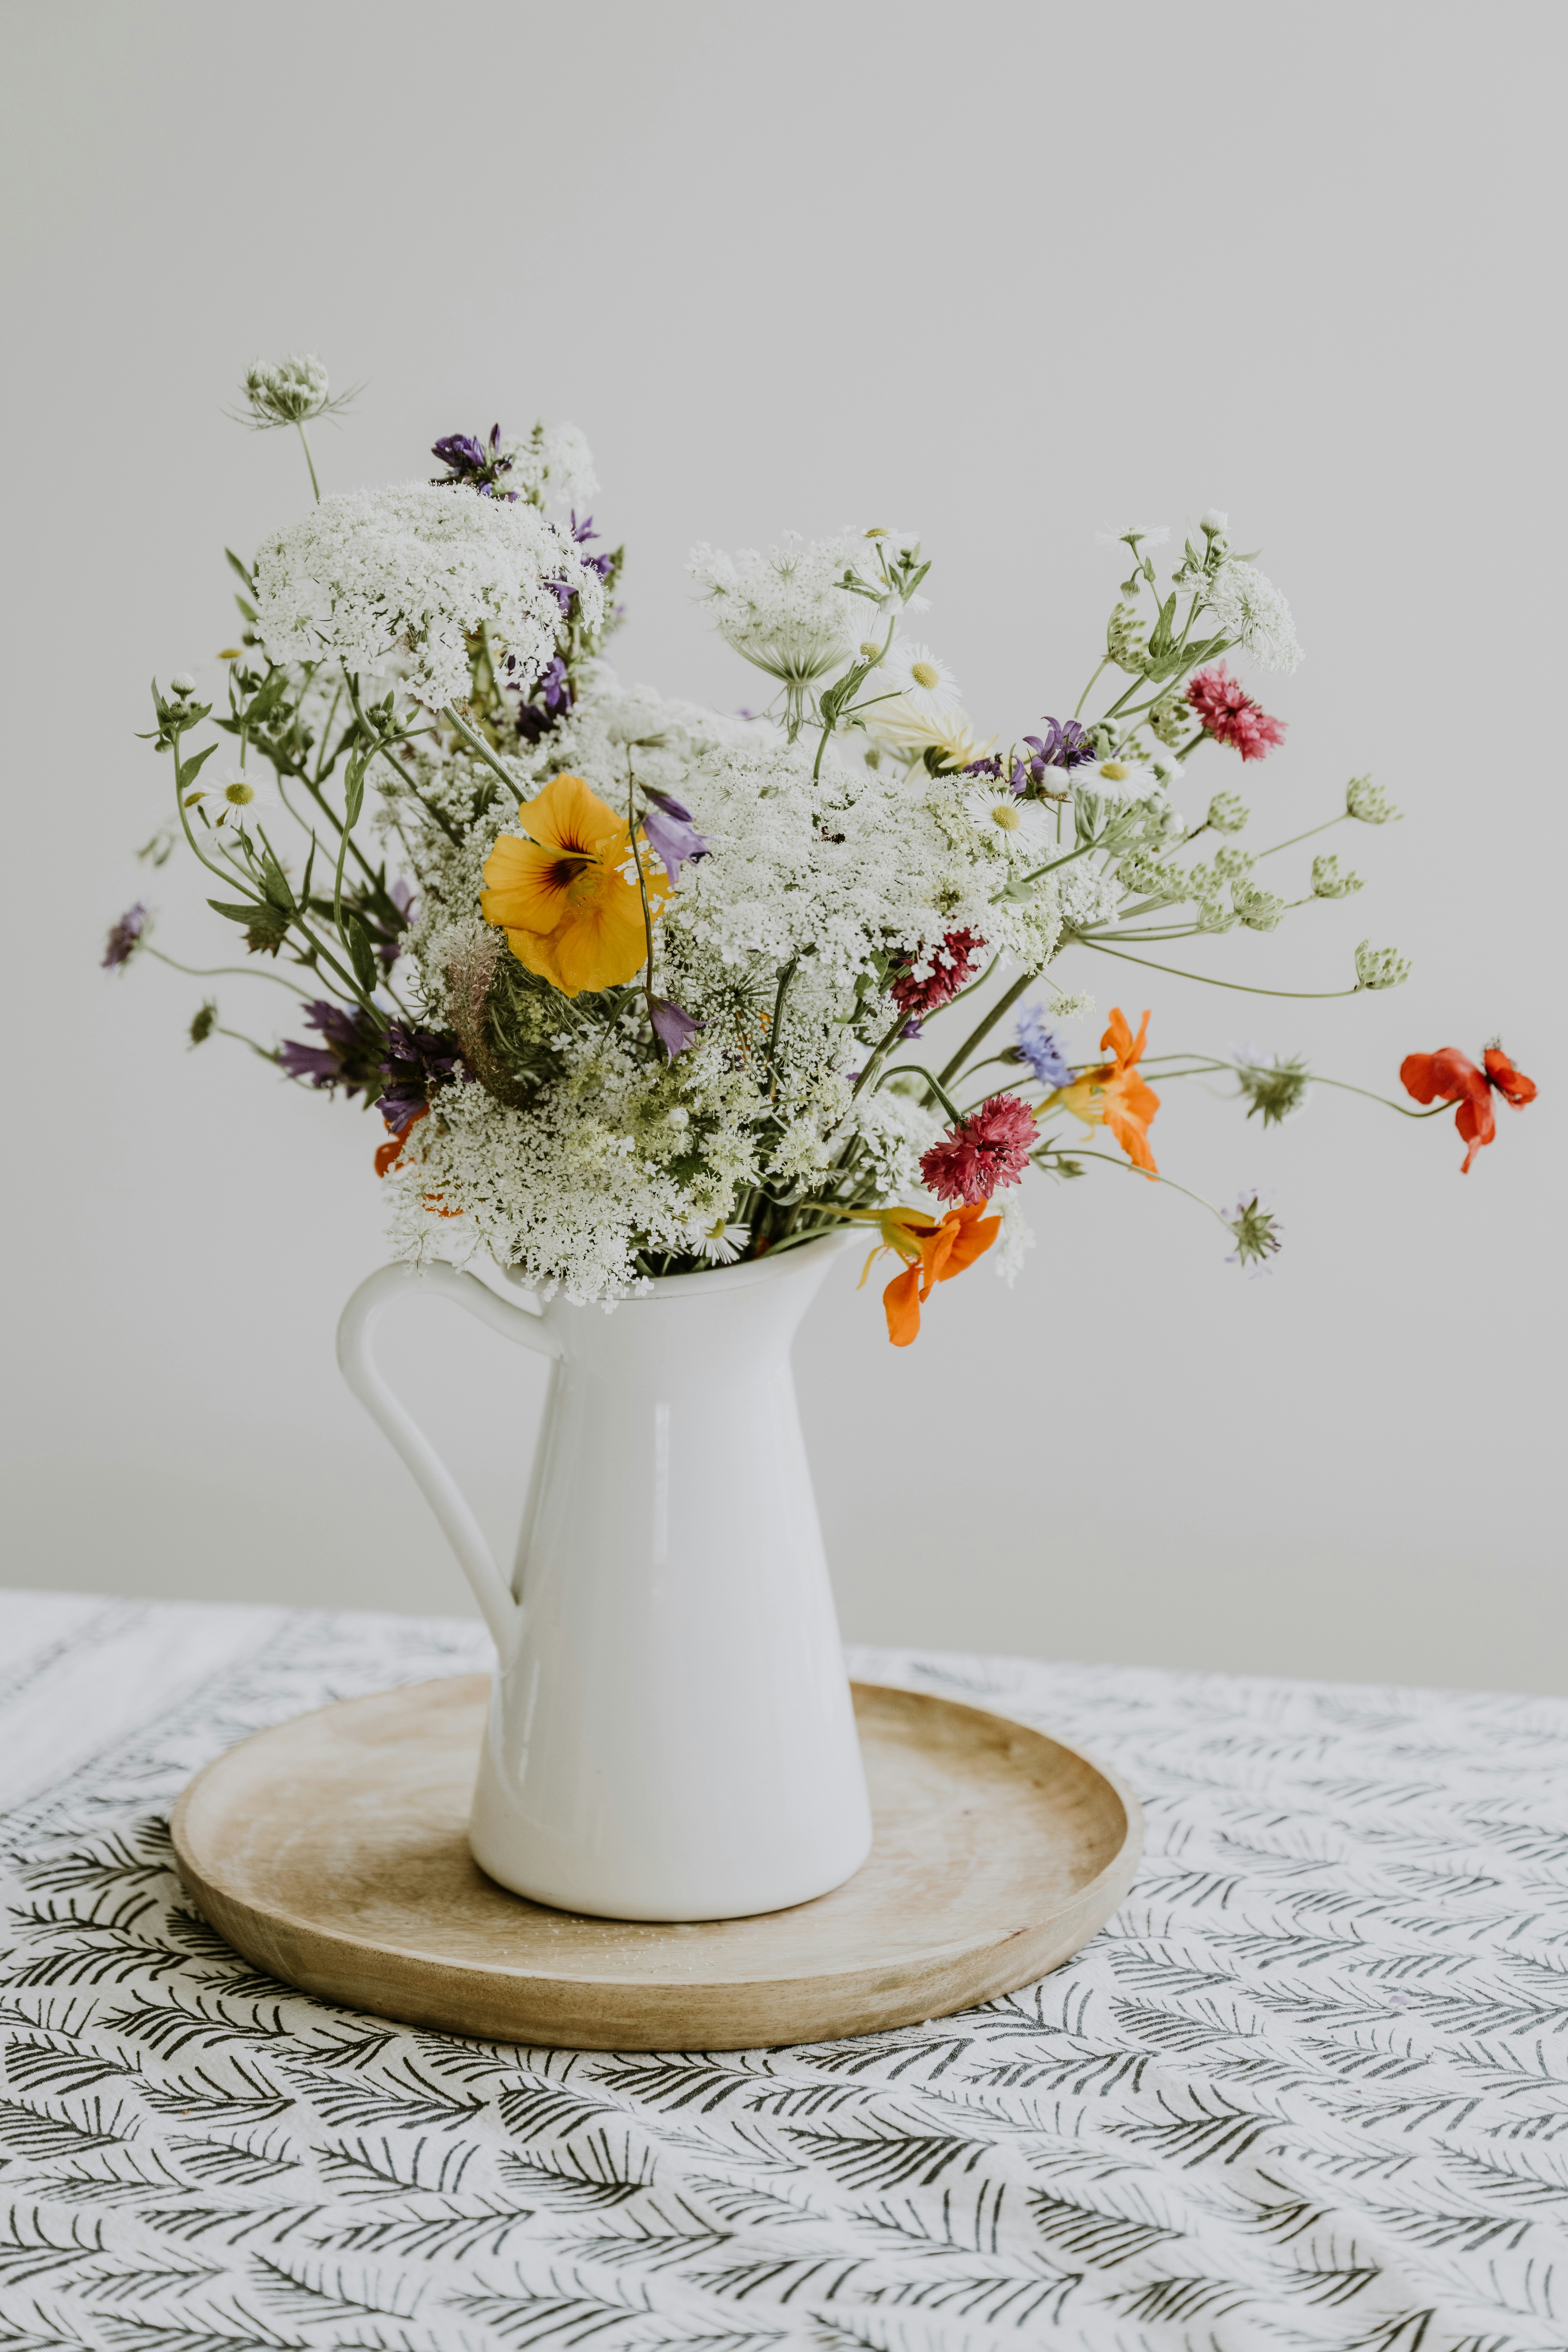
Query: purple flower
582,532
401,897
990,767
469,461
912,1027
350,1058
674,1028
1039,1048
125,938
535,720
1065,744
670,831
416,1061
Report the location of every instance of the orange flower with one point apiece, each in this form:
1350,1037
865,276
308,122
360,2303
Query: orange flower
934,1252
1114,1096
1448,1075
389,1154
568,911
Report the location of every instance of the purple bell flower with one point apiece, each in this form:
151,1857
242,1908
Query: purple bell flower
470,461
671,832
417,1061
674,1028
349,1058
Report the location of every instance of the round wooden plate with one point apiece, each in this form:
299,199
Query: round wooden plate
332,1852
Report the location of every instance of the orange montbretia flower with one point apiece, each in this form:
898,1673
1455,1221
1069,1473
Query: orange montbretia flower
1448,1075
935,1251
568,911
1114,1096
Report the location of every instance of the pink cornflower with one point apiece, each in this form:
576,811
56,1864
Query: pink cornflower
991,1147
952,965
1229,714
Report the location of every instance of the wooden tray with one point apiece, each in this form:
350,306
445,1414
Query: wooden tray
332,1852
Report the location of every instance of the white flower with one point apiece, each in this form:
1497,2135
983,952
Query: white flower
1214,521
786,611
1165,764
1249,607
724,1243
396,580
182,683
1026,825
238,800
1153,534
949,733
1119,779
923,677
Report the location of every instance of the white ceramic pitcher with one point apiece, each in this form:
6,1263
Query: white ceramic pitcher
671,1733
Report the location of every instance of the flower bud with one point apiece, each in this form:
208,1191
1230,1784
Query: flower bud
1212,521
181,683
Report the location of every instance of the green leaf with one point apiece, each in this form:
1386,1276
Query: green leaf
243,569
361,954
249,913
248,611
189,769
275,882
353,790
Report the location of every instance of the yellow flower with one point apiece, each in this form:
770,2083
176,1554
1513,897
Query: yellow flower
568,911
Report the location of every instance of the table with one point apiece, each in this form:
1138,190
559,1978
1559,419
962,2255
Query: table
1308,2088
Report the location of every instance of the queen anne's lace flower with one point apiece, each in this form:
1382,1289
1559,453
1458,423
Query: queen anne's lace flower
787,611
1249,608
392,581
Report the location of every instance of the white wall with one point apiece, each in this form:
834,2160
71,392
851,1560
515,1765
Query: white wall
1000,272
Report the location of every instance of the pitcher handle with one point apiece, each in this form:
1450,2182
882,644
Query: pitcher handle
436,1482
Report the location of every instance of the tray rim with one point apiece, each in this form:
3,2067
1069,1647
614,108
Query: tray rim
1120,1866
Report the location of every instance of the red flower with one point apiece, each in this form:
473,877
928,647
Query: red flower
992,1147
1449,1075
1229,714
952,965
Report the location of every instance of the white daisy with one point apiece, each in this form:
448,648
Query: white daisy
1120,779
949,732
238,800
923,677
724,1246
1026,825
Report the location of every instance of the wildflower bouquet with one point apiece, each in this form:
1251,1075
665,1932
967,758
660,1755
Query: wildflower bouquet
637,987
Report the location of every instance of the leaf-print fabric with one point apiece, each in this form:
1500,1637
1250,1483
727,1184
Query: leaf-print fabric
1308,2088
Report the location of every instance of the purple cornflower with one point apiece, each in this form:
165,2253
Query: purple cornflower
416,1061
1039,1048
913,1027
674,1028
469,461
990,767
670,831
1065,744
125,938
350,1058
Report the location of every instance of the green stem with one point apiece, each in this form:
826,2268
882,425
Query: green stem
785,978
267,1054
448,827
305,445
1317,995
1153,1175
983,1029
642,893
1387,1100
1342,818
933,1085
1089,689
228,970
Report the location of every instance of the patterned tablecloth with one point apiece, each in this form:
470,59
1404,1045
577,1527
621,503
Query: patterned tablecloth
1308,2088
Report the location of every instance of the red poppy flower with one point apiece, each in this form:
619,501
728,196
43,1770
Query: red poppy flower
1449,1075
